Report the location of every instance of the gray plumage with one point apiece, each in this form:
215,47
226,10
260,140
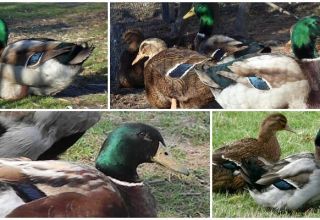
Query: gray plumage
43,134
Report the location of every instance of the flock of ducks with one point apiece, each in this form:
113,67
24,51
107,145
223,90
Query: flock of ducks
291,183
233,71
38,66
34,184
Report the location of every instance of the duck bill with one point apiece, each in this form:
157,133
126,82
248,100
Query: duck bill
164,159
189,13
136,60
288,128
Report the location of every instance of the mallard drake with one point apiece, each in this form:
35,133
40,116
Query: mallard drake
230,46
38,66
62,189
269,80
225,174
131,75
42,135
290,184
169,77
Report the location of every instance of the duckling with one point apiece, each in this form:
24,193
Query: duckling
269,80
64,189
290,184
232,46
38,66
225,169
131,75
42,135
169,77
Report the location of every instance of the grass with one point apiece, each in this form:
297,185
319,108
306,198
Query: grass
71,22
230,126
186,135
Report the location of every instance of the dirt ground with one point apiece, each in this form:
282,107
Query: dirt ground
265,25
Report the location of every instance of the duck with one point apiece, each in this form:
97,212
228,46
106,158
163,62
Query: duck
110,189
230,46
131,76
42,135
267,81
38,66
289,184
225,169
169,79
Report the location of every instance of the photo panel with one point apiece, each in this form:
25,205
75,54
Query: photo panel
53,55
265,164
104,164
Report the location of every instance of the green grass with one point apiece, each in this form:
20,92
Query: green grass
231,126
71,22
186,135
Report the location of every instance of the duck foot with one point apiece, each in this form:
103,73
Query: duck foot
173,103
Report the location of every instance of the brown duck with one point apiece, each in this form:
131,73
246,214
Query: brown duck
169,78
225,175
131,76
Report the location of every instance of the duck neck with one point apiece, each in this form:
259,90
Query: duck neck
113,162
268,137
138,198
206,25
154,51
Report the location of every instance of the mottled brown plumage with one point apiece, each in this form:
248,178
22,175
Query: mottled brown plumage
131,75
161,88
225,176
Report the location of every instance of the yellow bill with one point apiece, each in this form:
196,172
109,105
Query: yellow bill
189,13
163,158
138,57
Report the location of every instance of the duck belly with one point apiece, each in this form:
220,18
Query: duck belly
289,95
9,200
45,79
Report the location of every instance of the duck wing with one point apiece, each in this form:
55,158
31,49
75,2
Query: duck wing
231,154
232,46
259,71
289,173
36,51
171,71
42,135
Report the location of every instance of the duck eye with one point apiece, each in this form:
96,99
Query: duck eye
34,59
142,134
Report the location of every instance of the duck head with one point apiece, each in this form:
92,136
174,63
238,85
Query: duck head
3,34
131,145
205,15
275,122
149,48
133,39
303,37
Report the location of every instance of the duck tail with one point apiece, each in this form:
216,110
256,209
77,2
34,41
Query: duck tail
251,171
78,54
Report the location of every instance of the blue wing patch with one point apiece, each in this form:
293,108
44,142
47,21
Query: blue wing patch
230,165
180,70
258,83
34,59
283,185
218,54
28,192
